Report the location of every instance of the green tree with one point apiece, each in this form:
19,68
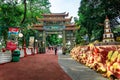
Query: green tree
21,13
53,39
10,13
92,13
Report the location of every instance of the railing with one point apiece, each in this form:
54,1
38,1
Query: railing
6,56
107,43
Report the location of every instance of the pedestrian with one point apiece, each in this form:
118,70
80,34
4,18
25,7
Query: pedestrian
48,48
64,50
55,50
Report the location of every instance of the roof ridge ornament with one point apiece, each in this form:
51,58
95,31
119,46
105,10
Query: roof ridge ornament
106,17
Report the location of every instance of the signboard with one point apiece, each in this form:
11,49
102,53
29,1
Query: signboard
13,33
31,42
54,27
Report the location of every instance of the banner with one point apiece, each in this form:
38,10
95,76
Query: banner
13,31
12,38
11,45
31,42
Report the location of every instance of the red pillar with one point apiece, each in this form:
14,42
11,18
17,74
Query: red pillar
37,50
24,47
32,51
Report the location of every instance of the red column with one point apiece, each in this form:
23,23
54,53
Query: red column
37,50
32,51
25,53
24,47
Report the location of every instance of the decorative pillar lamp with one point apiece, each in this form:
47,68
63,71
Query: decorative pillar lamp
59,36
24,44
69,43
36,43
20,35
36,40
43,44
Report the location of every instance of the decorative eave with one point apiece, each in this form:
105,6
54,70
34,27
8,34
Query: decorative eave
108,33
107,38
107,19
68,19
107,27
70,25
37,25
71,28
38,28
54,19
55,14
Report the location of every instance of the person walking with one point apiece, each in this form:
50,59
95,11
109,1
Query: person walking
55,50
64,50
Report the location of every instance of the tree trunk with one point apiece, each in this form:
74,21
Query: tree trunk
25,10
89,37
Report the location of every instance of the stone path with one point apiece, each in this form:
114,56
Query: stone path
76,70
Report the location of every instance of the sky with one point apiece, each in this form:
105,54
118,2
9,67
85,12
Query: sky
68,6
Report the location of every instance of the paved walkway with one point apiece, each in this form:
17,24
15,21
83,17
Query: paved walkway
76,70
35,67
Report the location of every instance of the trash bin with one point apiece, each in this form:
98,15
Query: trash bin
42,50
39,49
16,56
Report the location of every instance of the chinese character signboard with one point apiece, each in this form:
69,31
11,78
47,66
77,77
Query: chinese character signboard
53,28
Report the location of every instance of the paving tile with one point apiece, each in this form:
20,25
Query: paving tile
76,70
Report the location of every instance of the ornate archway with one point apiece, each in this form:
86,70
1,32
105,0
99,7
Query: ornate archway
56,23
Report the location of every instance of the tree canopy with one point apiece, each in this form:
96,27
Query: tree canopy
92,14
21,13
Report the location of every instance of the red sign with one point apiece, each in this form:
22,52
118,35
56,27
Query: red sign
11,46
13,29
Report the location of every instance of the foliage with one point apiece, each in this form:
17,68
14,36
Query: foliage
79,37
21,13
92,13
10,13
36,8
53,39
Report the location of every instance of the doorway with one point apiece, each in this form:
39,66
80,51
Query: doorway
54,39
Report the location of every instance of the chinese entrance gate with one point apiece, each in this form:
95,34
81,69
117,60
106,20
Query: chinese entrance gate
56,23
